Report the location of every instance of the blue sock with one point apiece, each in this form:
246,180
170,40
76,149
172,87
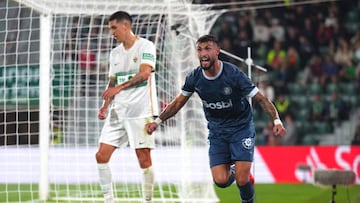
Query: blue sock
247,192
230,181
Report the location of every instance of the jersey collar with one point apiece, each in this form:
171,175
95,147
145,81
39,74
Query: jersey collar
217,75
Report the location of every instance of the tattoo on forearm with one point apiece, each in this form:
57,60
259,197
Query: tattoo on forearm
166,114
111,83
269,108
133,82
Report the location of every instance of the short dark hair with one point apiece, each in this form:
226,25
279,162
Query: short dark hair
120,16
207,38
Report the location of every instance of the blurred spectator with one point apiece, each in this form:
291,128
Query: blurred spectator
260,76
69,55
343,54
347,73
243,24
314,41
315,69
338,109
323,34
267,136
273,140
330,69
291,131
358,81
241,43
274,55
225,31
281,76
87,60
332,48
267,90
318,108
261,31
356,138
277,30
282,104
226,45
355,42
306,50
307,30
293,63
292,37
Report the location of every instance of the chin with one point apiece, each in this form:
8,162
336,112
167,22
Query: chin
205,68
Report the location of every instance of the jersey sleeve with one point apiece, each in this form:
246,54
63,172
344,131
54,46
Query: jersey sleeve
247,85
189,87
148,54
111,65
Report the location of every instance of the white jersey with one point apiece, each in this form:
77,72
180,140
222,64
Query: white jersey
139,101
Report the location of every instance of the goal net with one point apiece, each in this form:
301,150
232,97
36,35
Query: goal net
54,64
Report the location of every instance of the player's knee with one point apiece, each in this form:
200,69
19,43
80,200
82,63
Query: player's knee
101,158
242,180
222,184
223,181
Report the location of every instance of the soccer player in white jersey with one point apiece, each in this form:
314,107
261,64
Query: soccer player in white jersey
129,103
224,90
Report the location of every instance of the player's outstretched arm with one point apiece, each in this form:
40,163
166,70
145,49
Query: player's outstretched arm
170,110
270,109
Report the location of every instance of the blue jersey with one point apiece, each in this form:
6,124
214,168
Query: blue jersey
224,97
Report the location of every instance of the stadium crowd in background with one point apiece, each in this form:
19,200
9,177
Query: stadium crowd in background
309,50
356,138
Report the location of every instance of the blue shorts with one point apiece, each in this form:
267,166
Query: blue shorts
228,147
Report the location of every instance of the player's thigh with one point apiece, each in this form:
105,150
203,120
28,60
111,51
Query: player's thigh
242,145
114,133
219,151
138,137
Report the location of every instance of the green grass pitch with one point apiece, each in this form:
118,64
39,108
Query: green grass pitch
265,193
294,193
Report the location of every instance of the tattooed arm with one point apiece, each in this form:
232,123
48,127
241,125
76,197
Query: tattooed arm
141,76
270,109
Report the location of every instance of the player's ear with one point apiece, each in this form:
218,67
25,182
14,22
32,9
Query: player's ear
217,50
127,24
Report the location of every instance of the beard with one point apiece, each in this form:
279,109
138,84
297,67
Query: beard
208,64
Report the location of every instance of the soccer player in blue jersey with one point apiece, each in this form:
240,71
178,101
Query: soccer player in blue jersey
224,90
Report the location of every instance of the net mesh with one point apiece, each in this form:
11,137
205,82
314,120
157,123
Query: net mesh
80,45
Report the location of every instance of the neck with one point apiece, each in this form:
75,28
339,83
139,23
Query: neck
214,70
130,41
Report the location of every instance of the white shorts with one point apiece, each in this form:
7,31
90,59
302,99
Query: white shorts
122,132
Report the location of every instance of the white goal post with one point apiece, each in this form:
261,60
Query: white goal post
53,70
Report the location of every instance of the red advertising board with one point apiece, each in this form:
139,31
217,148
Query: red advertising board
282,162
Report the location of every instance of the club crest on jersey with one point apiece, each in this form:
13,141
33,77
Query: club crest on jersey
248,142
227,90
135,59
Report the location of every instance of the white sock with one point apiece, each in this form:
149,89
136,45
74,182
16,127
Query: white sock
148,183
105,180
